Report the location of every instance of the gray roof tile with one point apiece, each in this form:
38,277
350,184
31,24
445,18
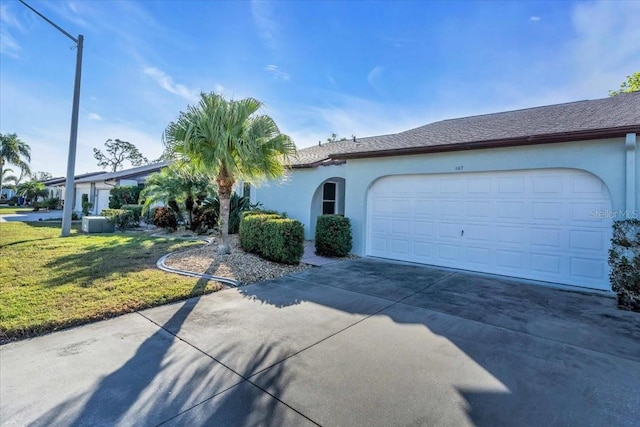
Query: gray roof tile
531,124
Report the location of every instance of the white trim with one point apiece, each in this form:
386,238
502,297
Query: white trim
631,172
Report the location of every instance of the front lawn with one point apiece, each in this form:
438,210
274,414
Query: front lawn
10,210
49,283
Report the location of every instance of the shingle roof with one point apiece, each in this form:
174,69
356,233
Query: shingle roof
126,173
61,180
599,118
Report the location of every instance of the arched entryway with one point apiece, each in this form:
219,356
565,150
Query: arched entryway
328,199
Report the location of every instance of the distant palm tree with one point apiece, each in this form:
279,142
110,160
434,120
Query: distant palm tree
32,190
229,140
14,151
174,185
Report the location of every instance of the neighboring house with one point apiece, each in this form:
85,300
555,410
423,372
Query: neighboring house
530,193
55,186
98,187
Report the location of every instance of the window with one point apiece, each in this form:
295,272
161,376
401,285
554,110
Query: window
329,198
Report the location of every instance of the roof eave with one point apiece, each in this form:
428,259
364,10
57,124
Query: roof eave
496,143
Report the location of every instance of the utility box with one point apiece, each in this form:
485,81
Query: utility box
97,224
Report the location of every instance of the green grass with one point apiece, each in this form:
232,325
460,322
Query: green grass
49,283
8,210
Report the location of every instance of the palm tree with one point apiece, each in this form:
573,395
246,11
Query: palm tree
229,140
14,151
174,185
32,190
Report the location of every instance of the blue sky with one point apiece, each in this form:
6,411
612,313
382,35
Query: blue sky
351,68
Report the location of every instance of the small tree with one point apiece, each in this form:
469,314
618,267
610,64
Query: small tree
32,190
118,152
632,84
229,140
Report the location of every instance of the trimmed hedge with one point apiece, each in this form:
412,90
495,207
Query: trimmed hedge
120,217
272,237
624,260
333,236
125,195
136,211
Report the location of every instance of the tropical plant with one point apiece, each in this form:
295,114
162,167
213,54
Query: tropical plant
237,205
177,185
14,151
229,140
32,190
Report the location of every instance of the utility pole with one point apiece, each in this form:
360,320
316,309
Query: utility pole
73,137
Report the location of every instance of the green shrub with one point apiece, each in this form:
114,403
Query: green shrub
125,195
86,205
75,216
136,212
624,260
272,237
165,218
120,217
13,201
333,236
203,219
51,203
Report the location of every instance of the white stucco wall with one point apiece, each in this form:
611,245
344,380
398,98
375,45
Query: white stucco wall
294,194
605,159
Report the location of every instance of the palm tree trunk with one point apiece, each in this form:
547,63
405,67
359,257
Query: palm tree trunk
1,176
225,187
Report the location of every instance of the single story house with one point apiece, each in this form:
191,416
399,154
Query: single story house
98,187
529,193
55,186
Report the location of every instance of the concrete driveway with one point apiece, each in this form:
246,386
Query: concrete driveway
358,343
31,216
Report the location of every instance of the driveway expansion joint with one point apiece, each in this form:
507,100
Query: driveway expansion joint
244,378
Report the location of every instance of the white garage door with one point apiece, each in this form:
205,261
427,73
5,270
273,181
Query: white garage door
538,224
103,200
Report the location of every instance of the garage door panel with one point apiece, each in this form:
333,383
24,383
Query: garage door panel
587,240
589,268
509,235
546,263
479,209
510,185
449,230
479,256
424,207
547,237
538,224
480,186
400,247
547,212
513,211
424,228
449,252
451,208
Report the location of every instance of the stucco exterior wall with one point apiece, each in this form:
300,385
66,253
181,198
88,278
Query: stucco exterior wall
605,159
294,194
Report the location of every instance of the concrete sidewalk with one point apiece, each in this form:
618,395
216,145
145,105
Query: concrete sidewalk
359,342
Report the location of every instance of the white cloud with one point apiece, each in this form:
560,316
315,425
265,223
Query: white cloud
94,116
218,88
534,18
8,44
374,77
262,12
276,72
166,82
